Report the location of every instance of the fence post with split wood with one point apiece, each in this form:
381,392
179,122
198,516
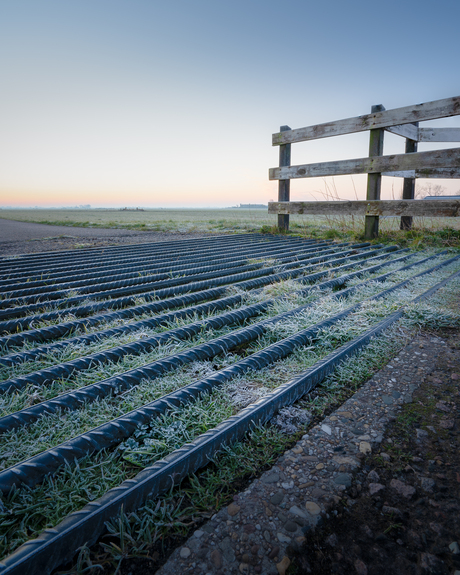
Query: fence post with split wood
411,165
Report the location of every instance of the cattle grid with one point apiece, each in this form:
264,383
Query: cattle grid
82,332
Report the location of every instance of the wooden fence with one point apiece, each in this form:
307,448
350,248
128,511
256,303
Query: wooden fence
410,165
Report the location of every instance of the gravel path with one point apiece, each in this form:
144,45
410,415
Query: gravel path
27,238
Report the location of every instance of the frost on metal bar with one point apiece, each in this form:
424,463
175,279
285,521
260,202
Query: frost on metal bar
55,546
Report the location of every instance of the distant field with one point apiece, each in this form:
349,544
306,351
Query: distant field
208,220
184,220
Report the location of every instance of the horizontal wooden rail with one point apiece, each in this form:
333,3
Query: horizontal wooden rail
425,208
409,131
420,161
385,119
439,135
445,173
413,132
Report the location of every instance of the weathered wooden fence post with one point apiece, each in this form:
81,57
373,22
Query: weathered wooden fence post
408,185
374,180
284,185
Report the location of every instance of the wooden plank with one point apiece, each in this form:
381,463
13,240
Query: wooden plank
387,118
401,174
409,131
357,208
439,135
426,208
446,173
421,161
374,180
284,185
408,185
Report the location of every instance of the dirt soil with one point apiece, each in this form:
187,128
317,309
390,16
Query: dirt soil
401,515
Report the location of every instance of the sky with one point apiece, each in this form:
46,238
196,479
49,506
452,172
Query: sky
173,104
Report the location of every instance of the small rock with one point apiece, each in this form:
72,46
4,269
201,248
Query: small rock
277,498
296,511
435,527
185,552
427,484
373,476
274,552
233,509
346,460
283,538
326,429
402,489
244,568
291,526
360,567
216,558
454,548
332,540
312,508
343,479
270,477
442,406
283,565
431,564
318,493
365,447
447,423
421,434
387,510
375,488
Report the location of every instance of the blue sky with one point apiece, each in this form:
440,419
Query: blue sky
148,103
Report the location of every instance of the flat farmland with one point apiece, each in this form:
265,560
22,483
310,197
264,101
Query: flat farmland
213,220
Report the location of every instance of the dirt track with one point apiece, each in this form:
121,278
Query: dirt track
26,238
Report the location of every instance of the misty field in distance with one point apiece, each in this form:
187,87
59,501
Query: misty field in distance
221,220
